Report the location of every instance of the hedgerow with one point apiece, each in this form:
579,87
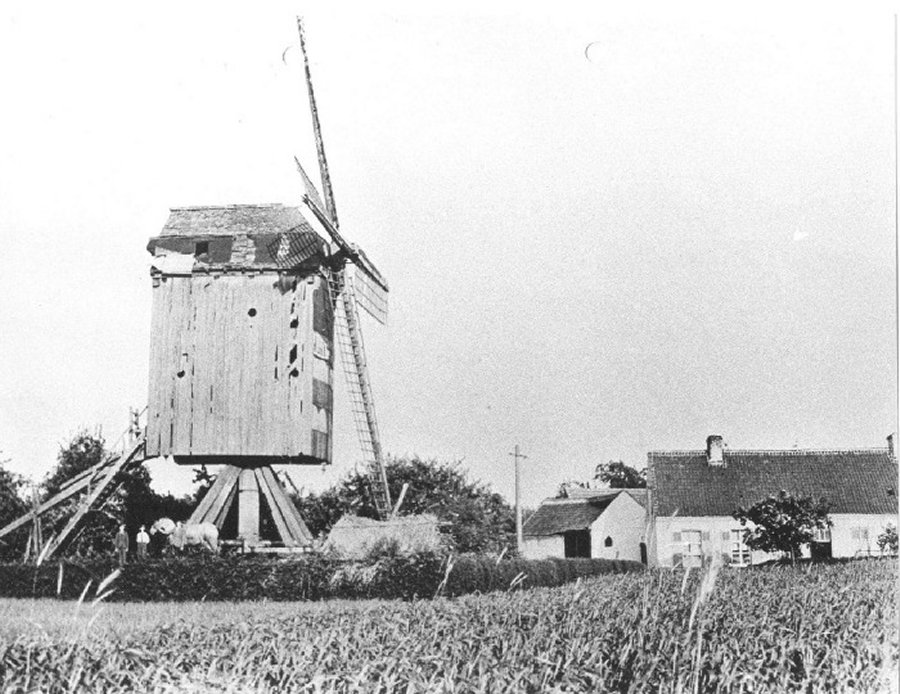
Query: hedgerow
310,577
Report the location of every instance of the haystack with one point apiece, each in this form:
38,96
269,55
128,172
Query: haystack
353,537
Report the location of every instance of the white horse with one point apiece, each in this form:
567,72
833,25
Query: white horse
179,534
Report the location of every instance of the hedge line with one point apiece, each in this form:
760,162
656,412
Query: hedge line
311,577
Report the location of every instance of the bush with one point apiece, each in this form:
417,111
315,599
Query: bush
308,577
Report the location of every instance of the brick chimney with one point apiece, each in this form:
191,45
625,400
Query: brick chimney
890,440
715,451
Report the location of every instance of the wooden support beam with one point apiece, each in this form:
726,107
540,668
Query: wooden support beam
400,498
280,523
70,531
248,507
295,523
219,520
216,495
72,487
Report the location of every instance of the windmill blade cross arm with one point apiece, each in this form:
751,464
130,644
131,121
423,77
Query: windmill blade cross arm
353,252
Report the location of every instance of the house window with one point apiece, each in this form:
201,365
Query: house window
822,535
740,553
607,542
861,535
693,547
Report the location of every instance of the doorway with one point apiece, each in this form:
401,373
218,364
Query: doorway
577,543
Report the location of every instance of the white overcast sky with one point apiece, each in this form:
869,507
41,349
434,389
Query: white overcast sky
690,233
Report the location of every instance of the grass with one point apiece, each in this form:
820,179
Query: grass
778,629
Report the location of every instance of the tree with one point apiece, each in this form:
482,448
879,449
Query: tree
84,451
618,475
99,527
783,523
887,541
12,505
479,519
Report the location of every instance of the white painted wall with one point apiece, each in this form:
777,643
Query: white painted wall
541,547
855,534
851,535
624,521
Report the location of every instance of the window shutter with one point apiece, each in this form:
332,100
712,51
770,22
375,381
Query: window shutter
676,559
676,537
726,535
704,535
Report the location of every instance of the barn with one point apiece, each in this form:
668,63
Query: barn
693,494
598,523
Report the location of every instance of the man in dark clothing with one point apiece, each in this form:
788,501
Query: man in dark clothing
122,544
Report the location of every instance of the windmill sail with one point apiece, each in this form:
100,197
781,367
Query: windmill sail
369,296
347,326
311,192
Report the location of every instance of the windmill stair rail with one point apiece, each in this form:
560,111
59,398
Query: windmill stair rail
98,483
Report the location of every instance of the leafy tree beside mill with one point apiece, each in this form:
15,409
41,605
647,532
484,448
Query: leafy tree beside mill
479,520
12,505
783,522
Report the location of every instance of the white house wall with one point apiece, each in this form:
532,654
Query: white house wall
857,534
851,535
624,521
541,547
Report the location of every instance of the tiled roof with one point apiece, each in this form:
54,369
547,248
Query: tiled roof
555,516
852,481
229,220
240,236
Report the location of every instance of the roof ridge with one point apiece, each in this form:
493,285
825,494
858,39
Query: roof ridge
234,206
571,500
773,451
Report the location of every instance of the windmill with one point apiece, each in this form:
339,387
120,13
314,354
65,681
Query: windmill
248,301
230,385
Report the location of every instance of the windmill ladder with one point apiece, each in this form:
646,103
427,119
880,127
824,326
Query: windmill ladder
353,360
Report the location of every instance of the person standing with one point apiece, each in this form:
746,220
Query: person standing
143,541
122,544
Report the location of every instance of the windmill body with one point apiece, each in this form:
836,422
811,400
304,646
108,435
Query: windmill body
241,358
242,348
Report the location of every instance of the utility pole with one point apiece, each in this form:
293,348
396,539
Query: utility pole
519,539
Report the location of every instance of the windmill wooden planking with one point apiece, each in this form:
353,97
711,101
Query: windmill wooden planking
242,351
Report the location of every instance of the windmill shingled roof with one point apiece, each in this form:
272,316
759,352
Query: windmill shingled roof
852,481
230,220
268,236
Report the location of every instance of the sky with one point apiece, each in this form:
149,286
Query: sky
606,231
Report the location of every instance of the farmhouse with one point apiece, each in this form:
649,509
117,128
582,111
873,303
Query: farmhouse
693,494
606,524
